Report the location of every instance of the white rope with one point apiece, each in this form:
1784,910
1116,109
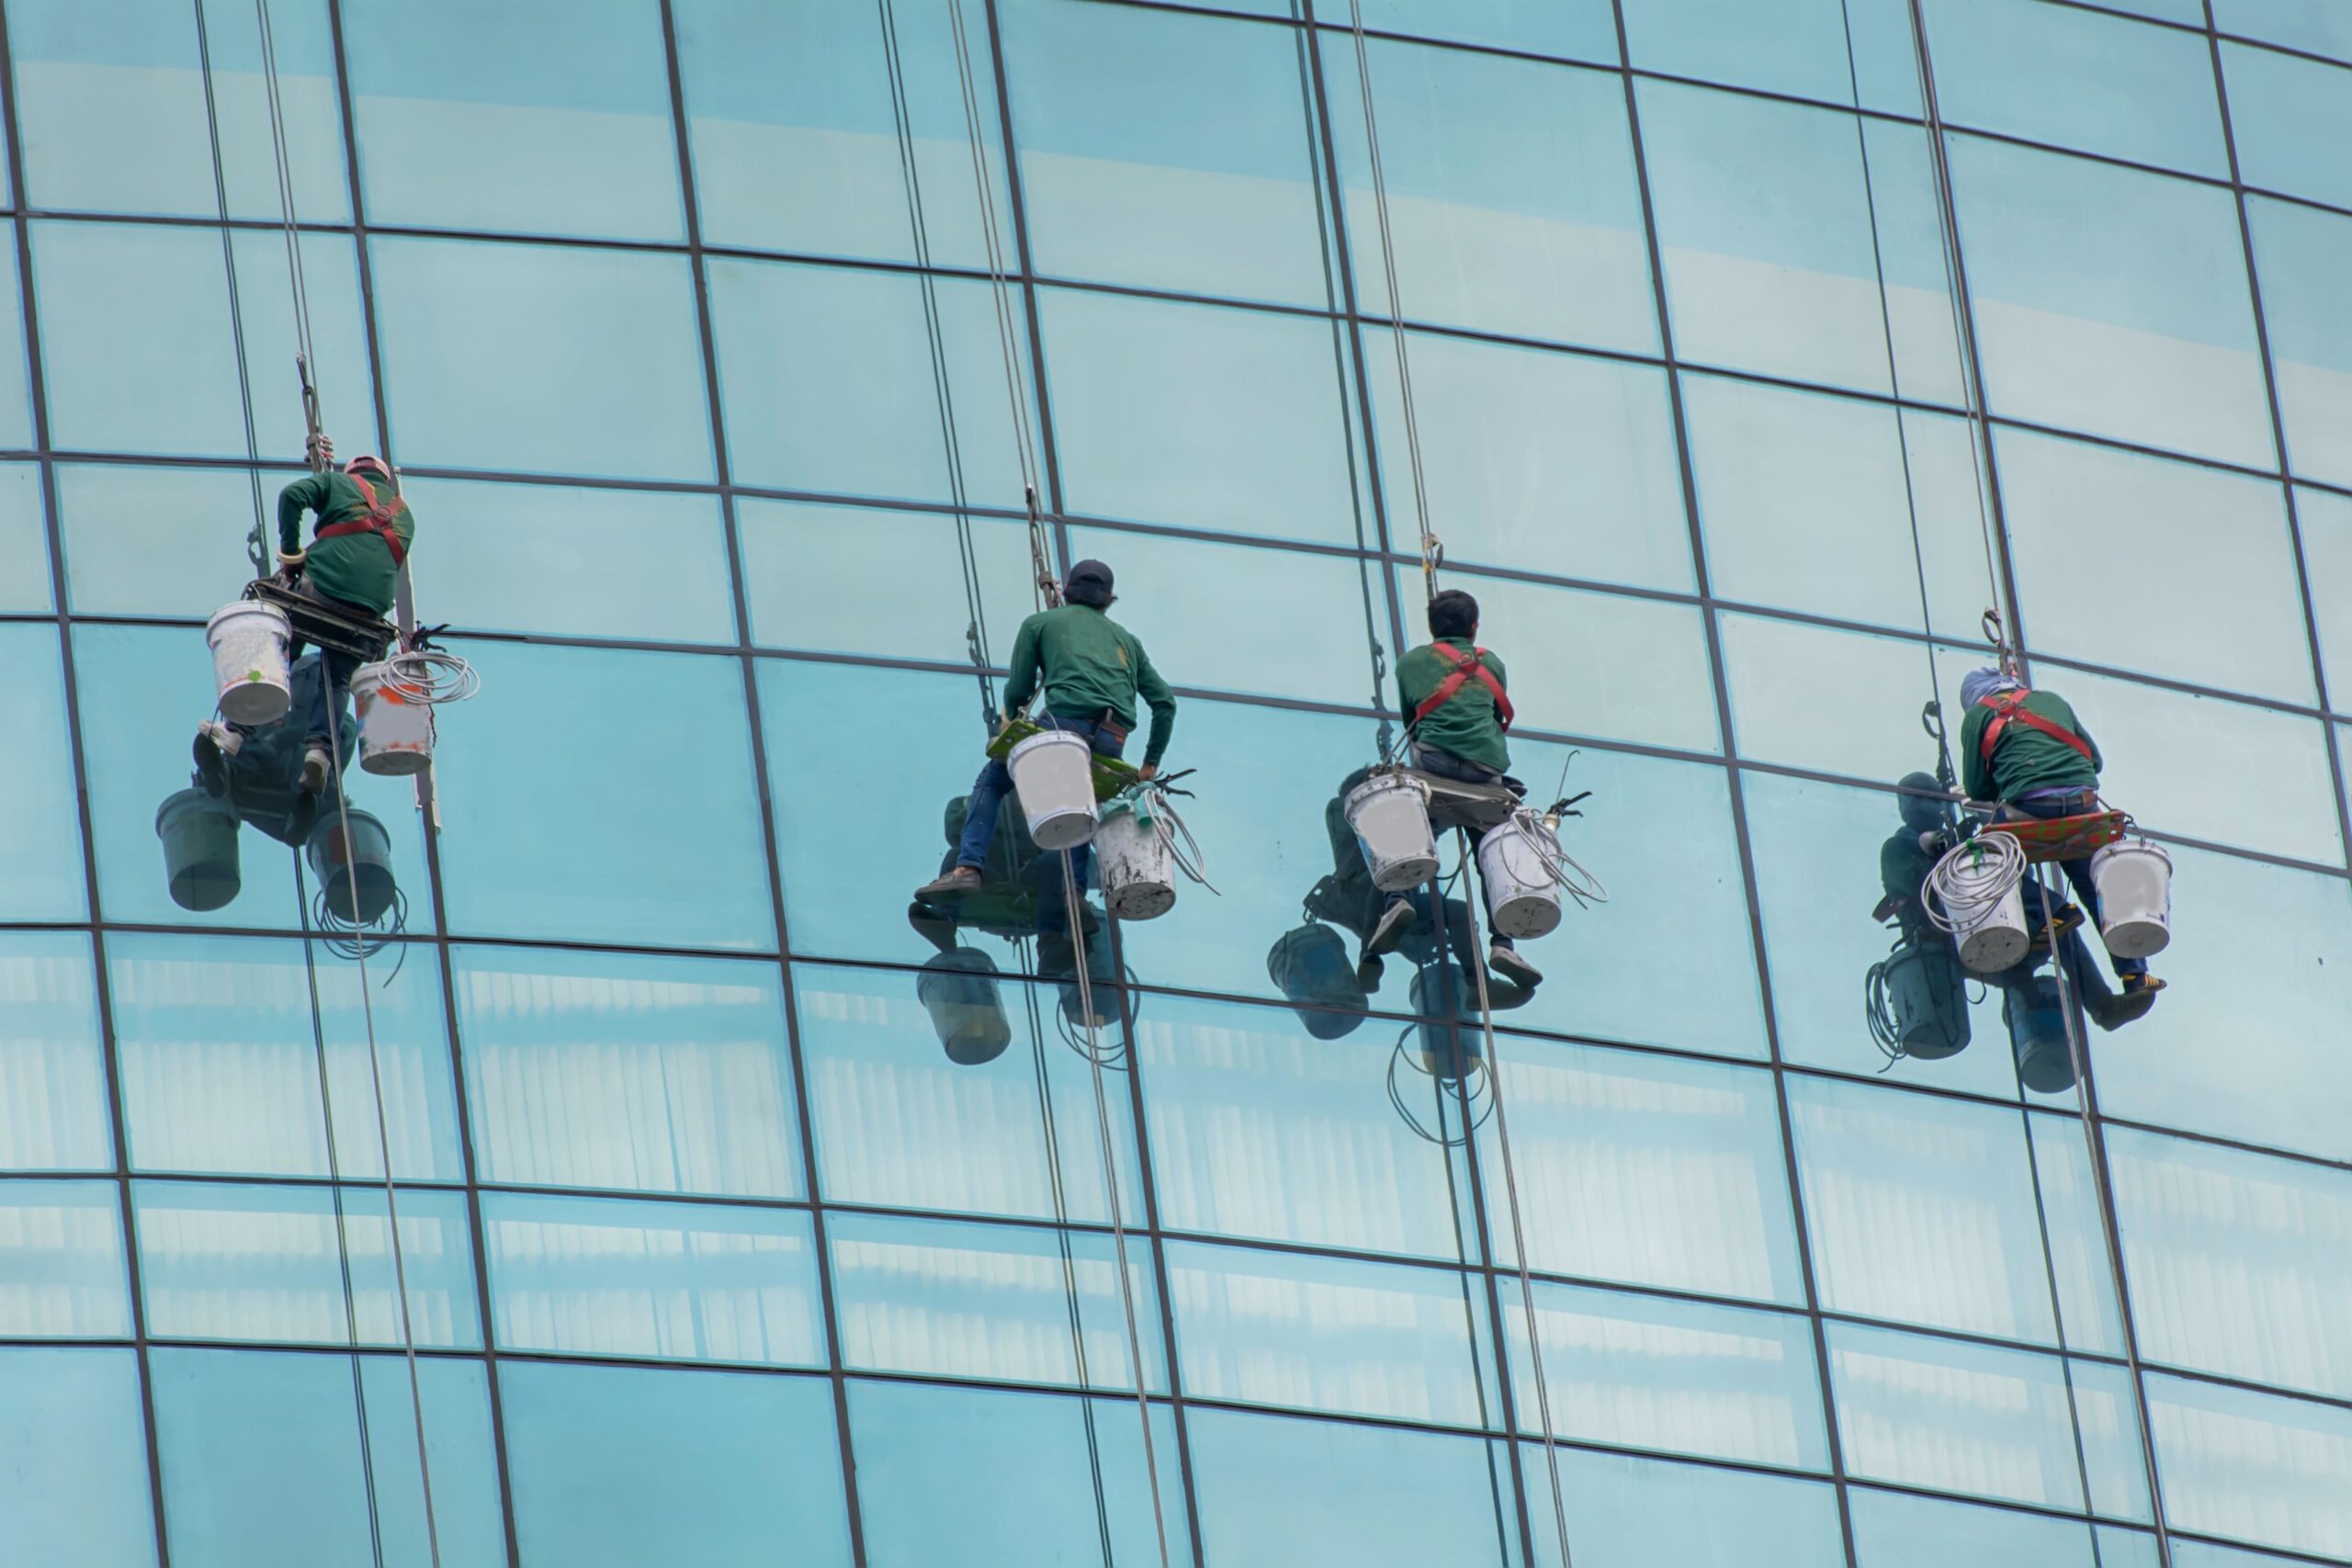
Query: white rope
1148,800
1559,868
430,676
1971,881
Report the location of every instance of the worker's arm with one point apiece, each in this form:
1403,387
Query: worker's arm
303,495
1162,700
1022,674
1975,778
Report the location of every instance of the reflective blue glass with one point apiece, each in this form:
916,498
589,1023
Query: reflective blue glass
661,1281
66,1280
2254,1467
24,543
1631,1512
1810,48
639,1073
2318,26
1577,29
264,1464
145,540
496,115
73,1478
1893,1529
872,579
1837,701
2299,255
39,844
2326,519
2286,111
617,1466
54,1108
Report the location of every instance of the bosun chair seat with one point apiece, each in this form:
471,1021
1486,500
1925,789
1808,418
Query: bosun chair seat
322,626
2064,838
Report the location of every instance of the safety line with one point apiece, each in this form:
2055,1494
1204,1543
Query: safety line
1071,905
305,353
259,539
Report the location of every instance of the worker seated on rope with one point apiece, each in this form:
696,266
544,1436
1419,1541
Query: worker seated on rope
1454,696
1092,670
364,533
2027,750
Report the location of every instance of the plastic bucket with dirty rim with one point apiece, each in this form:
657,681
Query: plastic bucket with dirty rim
1053,773
249,666
1390,816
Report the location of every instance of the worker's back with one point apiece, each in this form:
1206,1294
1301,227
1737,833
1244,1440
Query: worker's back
2026,758
358,568
1468,724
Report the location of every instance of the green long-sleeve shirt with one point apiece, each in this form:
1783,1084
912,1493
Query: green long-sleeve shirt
355,568
2025,759
1089,662
1467,724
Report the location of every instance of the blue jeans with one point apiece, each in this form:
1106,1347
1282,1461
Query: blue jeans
987,798
327,703
2071,803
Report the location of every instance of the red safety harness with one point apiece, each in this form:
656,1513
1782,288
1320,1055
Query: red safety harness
1464,670
2010,705
378,520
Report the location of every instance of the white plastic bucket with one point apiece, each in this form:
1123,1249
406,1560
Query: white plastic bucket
1991,929
1136,865
395,732
249,641
1516,865
1390,815
2134,882
1053,773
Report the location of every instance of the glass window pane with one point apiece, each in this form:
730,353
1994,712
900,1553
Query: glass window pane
2078,79
2015,1425
2254,1467
2240,1263
612,1070
24,540
1166,150
1842,702
1796,47
487,366
2111,302
1007,1303
615,1467
2318,26
141,539
1512,199
1145,391
1637,1513
500,115
795,145
1764,230
72,1453
2301,256
220,1050
1579,30
54,1104
66,1280
2171,544
621,851
971,1478
1894,1530
263,1466
42,875
2286,113
874,580
219,1262
1688,1154
1305,1331
783,331
1679,1377
110,101
2326,520
666,1281
902,1124
1537,461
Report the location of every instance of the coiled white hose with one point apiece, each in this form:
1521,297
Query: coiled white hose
1970,883
1560,868
428,676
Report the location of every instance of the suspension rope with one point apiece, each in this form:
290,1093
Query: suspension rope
298,283
257,542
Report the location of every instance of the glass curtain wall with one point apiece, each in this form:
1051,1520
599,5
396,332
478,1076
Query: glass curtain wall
715,376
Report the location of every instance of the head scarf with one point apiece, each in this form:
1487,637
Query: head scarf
1978,685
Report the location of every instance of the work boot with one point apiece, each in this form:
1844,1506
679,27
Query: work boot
1368,976
2138,996
215,744
1507,963
962,882
2063,920
316,765
1389,930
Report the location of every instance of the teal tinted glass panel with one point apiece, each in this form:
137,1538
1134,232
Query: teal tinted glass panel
2300,255
1512,204
40,849
2287,112
23,541
488,365
1691,1152
73,1475
53,1101
794,143
264,1464
143,539
617,1466
1628,1513
1006,1303
874,580
2318,26
110,101
1541,462
1838,700
967,1477
1575,30
1164,151
219,1262
2254,1467
1894,1530
1673,1377
1808,49
2110,301
2077,79
622,852
227,1068
500,115
636,1073
2326,520
2167,541
659,1281
1331,1335
1144,388
68,1281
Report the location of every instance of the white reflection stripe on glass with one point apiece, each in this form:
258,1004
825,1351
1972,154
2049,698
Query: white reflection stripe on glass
919,1306
61,1261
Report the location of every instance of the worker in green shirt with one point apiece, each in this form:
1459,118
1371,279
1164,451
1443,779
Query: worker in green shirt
1455,695
1092,669
2027,750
